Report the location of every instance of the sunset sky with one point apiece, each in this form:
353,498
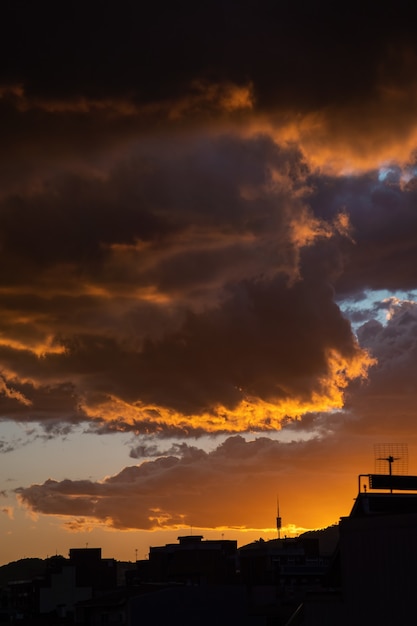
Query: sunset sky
208,277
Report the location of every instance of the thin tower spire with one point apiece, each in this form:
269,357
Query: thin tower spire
279,521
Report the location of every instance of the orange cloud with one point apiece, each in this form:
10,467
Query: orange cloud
8,391
234,486
251,414
9,511
202,98
215,97
349,139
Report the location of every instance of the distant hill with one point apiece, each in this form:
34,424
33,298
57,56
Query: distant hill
328,538
24,569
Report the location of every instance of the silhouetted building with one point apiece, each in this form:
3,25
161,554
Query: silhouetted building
286,563
52,598
93,571
193,561
377,561
378,556
278,573
60,593
182,605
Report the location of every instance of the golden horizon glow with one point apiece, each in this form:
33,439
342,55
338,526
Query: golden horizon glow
88,523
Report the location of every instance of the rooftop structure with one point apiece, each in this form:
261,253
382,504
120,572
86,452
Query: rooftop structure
377,557
193,560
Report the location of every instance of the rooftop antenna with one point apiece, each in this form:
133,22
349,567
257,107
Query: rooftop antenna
388,453
279,521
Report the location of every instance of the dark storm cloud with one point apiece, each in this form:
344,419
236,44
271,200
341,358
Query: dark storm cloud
151,264
384,407
167,191
381,205
170,282
390,396
291,55
265,340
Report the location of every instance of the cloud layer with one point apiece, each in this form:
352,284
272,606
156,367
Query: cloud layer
207,227
233,486
172,291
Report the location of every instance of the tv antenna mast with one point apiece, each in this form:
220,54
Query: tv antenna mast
390,453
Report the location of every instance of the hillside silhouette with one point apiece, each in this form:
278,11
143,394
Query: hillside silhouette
23,569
